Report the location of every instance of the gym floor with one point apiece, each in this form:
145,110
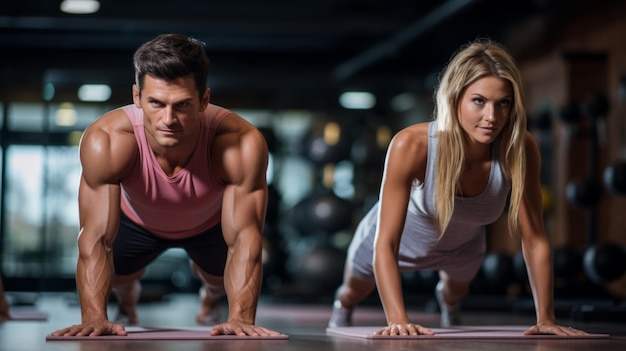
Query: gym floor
304,323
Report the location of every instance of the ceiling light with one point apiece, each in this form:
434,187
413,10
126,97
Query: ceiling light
94,92
358,100
80,7
65,115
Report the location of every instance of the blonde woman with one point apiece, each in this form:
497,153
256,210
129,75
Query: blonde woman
443,182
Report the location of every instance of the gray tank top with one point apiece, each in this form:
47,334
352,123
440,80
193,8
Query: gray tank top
420,247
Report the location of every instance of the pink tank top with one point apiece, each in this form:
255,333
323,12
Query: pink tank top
180,206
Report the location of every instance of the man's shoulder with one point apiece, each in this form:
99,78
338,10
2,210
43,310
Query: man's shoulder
113,122
112,131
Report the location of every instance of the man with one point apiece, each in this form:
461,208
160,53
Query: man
171,170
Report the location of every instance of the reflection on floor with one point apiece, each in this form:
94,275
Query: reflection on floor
304,323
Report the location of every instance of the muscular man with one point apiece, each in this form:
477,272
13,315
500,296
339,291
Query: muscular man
171,170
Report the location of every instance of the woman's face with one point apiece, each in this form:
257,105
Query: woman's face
485,108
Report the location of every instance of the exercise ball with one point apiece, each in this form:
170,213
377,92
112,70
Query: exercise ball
322,212
604,263
331,144
320,270
370,146
567,262
585,193
498,270
615,178
273,258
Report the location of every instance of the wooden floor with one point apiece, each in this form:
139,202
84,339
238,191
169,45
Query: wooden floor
305,325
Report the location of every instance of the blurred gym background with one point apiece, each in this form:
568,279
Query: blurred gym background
328,82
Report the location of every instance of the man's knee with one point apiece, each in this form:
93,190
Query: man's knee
127,280
214,281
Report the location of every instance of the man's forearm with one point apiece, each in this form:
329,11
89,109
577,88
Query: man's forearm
242,281
94,279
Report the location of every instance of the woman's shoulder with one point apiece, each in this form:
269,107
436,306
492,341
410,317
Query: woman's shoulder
415,135
408,152
412,142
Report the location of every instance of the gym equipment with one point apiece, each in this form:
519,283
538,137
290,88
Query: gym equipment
615,174
615,178
588,192
370,145
584,193
275,273
322,212
568,271
178,333
604,263
26,315
320,270
331,144
567,262
498,270
460,332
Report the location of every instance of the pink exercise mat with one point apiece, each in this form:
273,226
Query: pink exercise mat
26,316
473,332
186,333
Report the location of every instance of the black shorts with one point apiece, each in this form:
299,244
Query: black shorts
134,248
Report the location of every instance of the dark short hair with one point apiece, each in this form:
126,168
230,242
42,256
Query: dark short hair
172,56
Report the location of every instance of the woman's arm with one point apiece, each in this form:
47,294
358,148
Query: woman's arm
405,161
536,247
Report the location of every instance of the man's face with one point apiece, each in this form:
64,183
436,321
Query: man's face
171,110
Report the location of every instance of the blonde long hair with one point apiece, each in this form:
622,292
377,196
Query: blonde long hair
478,59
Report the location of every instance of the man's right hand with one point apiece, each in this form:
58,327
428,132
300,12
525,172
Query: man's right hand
92,328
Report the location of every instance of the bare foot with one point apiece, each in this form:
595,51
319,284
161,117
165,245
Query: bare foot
127,304
209,310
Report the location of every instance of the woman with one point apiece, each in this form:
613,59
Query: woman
443,182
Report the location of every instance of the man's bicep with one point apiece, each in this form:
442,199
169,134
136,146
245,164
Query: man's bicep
99,210
243,210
